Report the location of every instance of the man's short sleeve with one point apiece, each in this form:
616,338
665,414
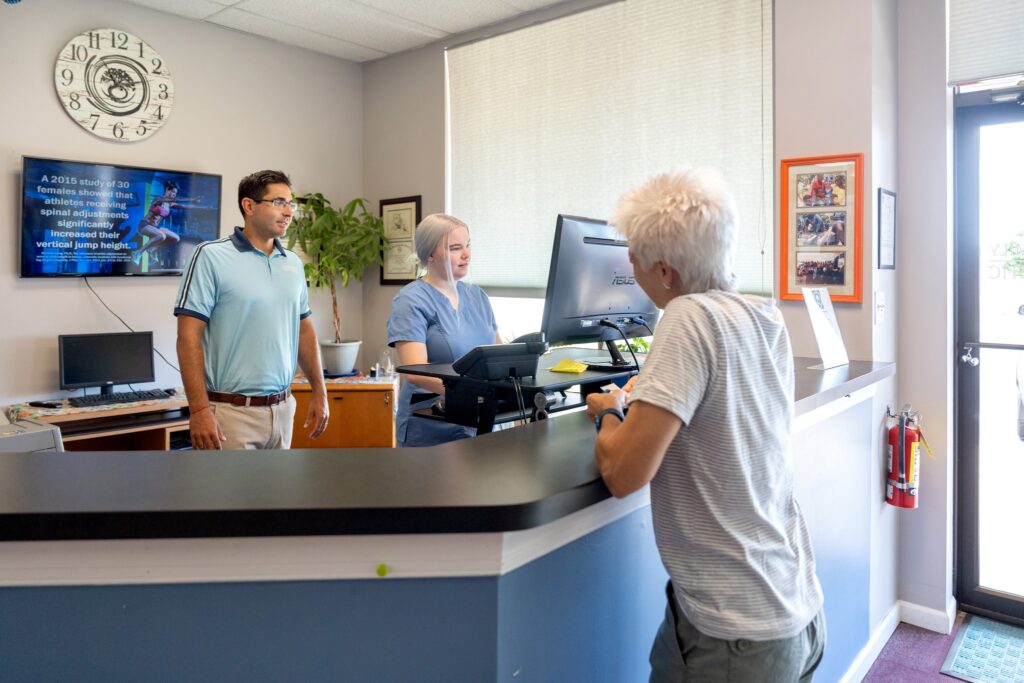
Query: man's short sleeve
304,299
678,369
408,319
197,293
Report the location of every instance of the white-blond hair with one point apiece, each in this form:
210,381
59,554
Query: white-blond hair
431,231
685,219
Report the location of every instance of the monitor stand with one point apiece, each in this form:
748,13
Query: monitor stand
107,390
615,362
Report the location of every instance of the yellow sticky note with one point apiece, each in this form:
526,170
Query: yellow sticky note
567,365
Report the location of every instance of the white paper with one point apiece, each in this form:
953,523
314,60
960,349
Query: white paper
825,326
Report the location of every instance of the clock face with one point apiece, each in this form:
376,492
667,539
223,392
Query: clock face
114,85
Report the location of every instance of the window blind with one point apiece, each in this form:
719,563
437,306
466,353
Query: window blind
985,39
565,116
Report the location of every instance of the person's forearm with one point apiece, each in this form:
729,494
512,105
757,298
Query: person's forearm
193,373
309,361
431,384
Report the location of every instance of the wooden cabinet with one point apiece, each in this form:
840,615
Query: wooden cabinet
362,416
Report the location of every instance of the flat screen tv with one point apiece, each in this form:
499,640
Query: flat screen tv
81,218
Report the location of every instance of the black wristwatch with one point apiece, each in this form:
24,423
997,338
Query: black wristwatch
607,411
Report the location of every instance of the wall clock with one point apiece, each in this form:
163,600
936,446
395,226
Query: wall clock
114,85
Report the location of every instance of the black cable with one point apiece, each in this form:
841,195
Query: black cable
608,323
519,398
155,350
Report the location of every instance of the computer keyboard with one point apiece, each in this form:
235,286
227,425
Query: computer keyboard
123,397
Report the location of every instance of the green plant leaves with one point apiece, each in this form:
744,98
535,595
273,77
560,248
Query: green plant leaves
339,244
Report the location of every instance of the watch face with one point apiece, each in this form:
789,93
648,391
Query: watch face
114,85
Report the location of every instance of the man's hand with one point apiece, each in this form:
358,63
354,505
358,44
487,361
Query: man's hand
205,430
317,416
629,385
598,402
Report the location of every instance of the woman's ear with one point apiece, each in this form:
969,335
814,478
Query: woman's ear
667,275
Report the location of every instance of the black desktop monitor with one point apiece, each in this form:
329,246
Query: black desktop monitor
590,280
103,360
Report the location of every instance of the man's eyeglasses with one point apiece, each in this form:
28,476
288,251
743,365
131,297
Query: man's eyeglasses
279,202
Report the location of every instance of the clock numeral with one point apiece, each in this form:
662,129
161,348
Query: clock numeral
119,130
94,42
79,53
95,119
140,48
74,102
119,40
163,91
159,112
67,77
156,66
141,130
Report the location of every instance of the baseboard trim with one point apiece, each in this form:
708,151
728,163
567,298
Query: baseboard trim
869,653
926,617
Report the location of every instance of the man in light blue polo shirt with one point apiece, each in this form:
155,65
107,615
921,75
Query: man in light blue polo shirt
243,321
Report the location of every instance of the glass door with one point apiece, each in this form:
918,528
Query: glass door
990,346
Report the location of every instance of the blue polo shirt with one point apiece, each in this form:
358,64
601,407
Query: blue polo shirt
252,304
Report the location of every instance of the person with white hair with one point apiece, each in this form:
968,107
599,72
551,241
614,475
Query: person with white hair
436,319
708,426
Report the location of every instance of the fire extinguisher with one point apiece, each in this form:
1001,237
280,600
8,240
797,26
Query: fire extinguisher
904,461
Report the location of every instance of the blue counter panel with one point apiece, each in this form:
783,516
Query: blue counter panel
587,611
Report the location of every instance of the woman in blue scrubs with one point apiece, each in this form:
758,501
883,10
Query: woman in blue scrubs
436,319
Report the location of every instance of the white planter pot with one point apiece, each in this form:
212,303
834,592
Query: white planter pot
339,358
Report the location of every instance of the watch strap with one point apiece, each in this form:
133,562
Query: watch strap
608,411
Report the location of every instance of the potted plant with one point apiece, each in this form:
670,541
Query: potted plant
336,243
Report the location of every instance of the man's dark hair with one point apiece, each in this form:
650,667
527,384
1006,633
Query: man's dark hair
255,184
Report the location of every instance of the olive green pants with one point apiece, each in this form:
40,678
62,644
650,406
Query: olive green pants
682,653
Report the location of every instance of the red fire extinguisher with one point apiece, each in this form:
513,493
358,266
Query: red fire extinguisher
904,461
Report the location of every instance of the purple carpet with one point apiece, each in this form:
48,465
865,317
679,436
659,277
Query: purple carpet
913,655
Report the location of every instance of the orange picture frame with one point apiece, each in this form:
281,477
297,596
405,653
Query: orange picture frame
821,226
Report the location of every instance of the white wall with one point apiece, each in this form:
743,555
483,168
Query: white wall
925,269
242,104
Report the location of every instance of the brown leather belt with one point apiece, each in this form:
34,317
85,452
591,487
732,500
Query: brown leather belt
242,400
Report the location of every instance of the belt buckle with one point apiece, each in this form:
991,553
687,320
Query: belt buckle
248,401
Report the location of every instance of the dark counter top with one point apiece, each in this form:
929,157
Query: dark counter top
505,481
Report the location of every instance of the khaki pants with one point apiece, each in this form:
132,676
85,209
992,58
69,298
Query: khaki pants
256,427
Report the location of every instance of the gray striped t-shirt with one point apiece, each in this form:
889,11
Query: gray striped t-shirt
728,527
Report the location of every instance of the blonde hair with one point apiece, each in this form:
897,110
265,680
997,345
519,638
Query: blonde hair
431,231
685,219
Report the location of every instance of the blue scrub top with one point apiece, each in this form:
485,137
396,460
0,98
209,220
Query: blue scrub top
420,313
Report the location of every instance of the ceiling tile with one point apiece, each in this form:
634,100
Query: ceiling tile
450,16
346,20
291,35
192,9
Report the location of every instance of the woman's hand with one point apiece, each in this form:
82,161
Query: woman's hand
612,399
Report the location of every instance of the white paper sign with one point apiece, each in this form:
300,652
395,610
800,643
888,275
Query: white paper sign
825,326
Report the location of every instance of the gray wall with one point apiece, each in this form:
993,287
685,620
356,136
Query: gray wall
242,104
404,111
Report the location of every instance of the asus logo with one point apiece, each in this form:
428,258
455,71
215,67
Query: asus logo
623,280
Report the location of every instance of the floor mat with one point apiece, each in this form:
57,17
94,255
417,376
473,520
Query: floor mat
986,651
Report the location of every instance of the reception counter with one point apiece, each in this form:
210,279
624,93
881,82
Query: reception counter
501,558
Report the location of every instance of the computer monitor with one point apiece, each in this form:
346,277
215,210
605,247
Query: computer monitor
590,280
103,360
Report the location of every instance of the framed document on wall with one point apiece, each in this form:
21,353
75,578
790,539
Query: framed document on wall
820,216
401,216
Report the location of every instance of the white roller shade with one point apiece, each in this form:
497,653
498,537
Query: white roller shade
566,116
986,39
